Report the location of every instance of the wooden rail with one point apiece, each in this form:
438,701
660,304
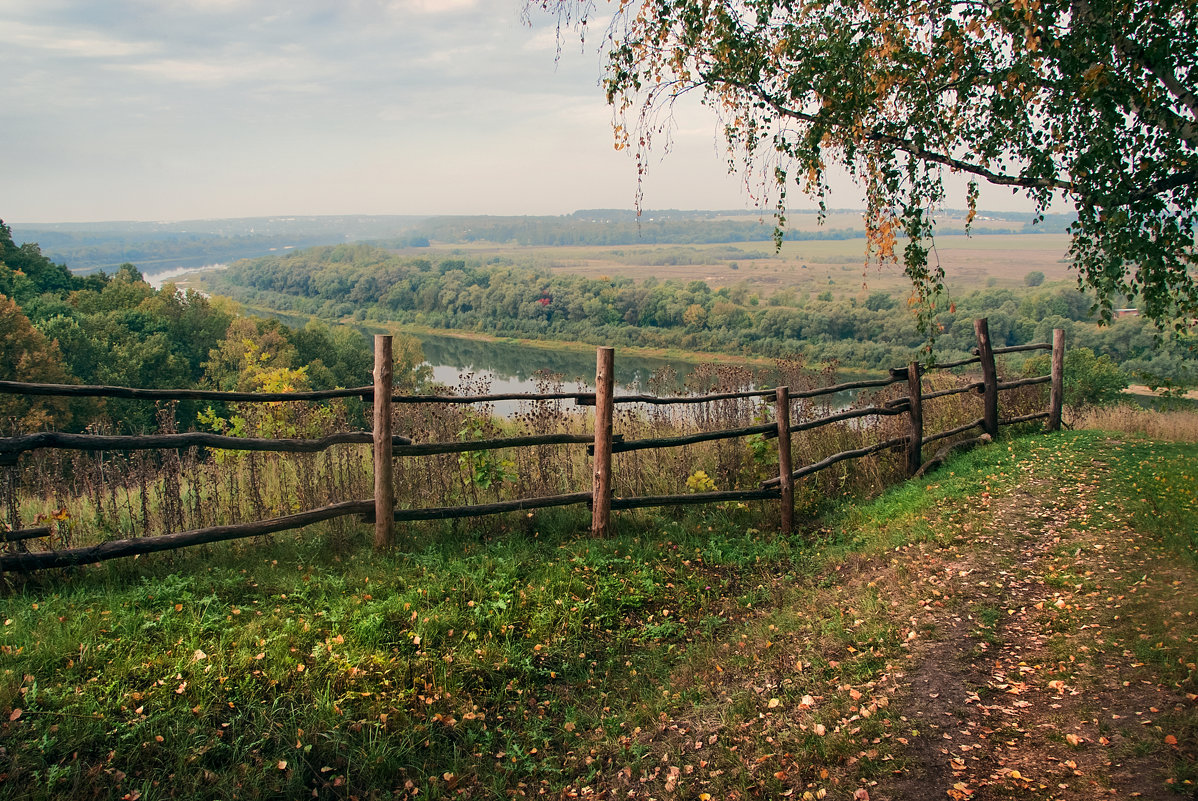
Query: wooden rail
382,511
25,534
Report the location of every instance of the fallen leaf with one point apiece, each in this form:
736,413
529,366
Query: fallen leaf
16,714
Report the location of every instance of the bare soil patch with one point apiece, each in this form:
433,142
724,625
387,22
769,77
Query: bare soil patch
1030,685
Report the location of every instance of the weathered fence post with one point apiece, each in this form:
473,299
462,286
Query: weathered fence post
785,467
1056,396
604,383
384,487
915,393
989,377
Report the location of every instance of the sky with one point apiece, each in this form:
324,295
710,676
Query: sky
190,109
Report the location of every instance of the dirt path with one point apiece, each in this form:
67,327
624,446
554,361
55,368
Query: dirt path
1024,680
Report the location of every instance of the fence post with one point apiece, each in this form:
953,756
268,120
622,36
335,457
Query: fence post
604,382
1056,396
989,377
384,487
915,393
785,465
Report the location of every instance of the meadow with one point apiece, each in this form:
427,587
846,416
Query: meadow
807,266
693,655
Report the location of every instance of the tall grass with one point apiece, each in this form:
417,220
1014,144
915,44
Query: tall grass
102,496
1173,425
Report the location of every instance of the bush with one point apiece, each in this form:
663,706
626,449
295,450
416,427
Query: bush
1089,380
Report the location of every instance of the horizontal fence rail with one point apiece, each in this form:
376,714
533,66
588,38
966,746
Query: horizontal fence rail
115,549
388,446
12,447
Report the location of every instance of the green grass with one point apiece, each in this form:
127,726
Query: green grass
307,664
355,670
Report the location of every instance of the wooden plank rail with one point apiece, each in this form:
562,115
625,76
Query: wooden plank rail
24,534
578,397
840,457
1017,348
82,391
11,447
432,448
1026,418
950,365
944,393
500,507
381,510
767,429
114,549
1024,382
696,498
869,411
952,432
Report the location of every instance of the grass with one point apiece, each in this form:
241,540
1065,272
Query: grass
682,655
1173,425
804,266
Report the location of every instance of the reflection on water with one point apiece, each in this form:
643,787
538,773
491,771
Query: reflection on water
157,279
512,367
508,366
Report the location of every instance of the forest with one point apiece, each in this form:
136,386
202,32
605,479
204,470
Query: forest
502,297
116,329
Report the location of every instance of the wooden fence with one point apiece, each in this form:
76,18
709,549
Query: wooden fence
387,446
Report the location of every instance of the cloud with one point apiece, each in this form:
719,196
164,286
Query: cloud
81,44
434,6
145,109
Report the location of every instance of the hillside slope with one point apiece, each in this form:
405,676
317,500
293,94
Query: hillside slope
1022,623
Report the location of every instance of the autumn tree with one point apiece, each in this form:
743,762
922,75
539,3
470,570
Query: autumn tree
1093,102
26,355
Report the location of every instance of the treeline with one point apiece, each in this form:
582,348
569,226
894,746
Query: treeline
89,247
624,228
116,329
875,329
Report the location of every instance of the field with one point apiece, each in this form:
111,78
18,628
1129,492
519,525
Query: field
1019,624
813,266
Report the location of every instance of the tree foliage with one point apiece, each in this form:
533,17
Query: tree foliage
1089,380
1092,101
868,330
58,327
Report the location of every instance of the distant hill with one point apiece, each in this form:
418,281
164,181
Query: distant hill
160,246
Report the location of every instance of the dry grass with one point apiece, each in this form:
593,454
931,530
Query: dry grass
1177,425
97,497
835,265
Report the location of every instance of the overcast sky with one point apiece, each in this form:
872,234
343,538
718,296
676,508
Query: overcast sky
173,109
